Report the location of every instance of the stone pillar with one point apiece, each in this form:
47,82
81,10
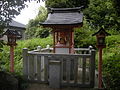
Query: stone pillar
54,74
25,63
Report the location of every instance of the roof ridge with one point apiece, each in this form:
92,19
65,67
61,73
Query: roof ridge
76,9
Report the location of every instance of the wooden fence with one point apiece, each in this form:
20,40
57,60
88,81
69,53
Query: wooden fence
61,69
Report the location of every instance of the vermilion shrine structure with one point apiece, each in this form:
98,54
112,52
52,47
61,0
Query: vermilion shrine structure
63,21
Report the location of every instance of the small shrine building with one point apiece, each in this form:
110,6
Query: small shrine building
63,21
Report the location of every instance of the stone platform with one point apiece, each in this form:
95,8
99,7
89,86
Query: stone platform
36,86
46,87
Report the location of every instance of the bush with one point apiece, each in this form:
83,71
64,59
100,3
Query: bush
31,44
83,36
111,62
42,32
37,32
113,40
111,68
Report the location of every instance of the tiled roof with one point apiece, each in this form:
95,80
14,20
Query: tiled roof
16,24
64,16
101,31
12,32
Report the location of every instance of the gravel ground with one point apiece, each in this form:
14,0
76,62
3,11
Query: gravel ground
46,87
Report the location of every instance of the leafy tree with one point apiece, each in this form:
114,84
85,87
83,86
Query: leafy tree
83,36
66,3
117,6
102,13
33,28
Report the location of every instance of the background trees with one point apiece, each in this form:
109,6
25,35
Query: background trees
66,3
34,29
105,13
102,13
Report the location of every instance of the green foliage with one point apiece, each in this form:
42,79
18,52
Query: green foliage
41,16
111,65
31,44
102,13
113,40
66,3
33,28
42,32
56,3
37,32
117,6
83,36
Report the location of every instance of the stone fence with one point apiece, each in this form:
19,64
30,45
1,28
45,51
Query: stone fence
60,69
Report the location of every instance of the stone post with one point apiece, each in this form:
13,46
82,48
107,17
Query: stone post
54,74
25,62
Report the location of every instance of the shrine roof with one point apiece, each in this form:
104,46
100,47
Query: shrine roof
101,31
12,32
14,23
64,16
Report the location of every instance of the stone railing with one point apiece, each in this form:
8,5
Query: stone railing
60,69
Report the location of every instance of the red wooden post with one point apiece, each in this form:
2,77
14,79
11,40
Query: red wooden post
11,58
100,69
100,35
53,42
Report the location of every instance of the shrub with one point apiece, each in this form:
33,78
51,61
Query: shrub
111,68
31,44
83,36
